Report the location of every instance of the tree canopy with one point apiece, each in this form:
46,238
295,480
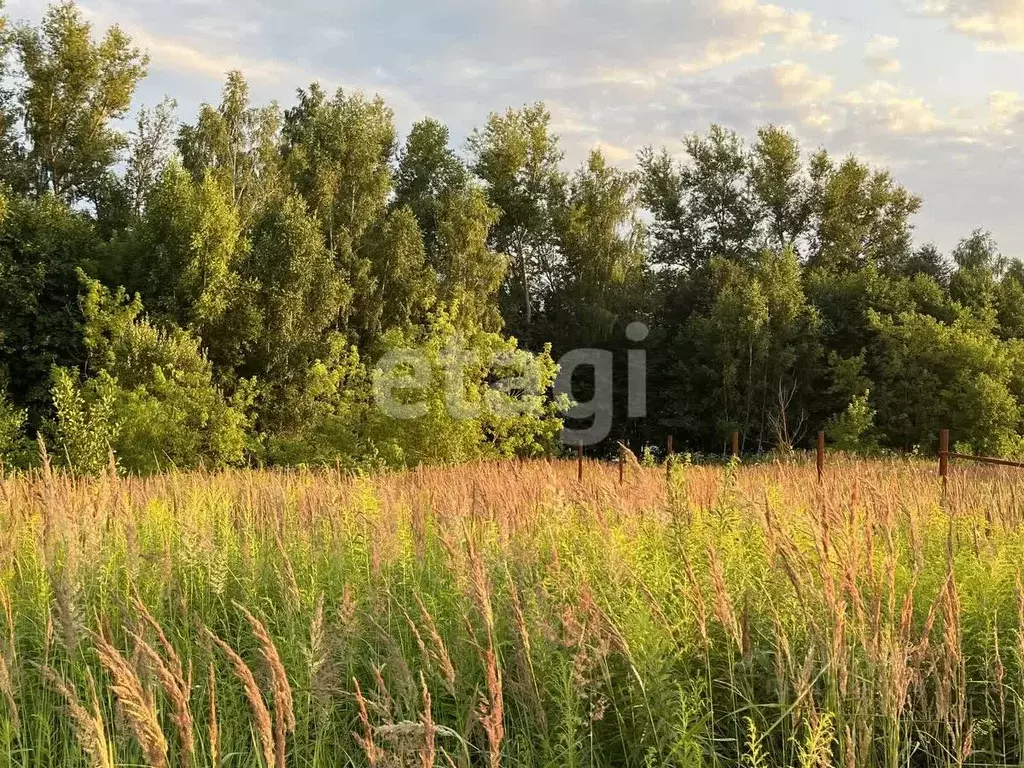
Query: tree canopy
222,290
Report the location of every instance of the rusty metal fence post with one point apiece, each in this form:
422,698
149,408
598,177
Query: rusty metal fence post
579,462
736,445
944,456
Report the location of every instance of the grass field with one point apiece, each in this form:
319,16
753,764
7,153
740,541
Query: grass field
506,614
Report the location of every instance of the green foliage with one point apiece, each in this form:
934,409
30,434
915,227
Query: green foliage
85,423
601,242
75,92
337,152
851,429
748,353
293,297
14,447
235,144
932,375
429,175
151,400
43,244
517,157
183,259
473,397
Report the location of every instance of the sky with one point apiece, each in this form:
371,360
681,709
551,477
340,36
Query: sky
931,89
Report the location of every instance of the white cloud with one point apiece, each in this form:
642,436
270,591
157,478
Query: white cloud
797,29
879,54
182,57
1006,110
882,103
718,53
995,24
798,86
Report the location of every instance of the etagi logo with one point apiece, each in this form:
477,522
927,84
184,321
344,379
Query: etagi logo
516,384
600,407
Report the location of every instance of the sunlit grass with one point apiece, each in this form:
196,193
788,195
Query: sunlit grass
505,614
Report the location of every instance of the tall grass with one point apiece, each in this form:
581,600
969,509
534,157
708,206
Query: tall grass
508,615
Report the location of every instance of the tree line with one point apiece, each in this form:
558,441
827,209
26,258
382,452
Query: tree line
216,291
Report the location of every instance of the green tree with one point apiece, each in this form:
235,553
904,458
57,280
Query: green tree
294,295
852,429
150,396
185,258
469,272
600,283
76,90
235,144
749,361
517,157
43,243
933,376
14,446
403,287
779,184
1010,302
338,152
14,171
84,430
860,217
150,149
928,261
705,207
979,265
429,176
455,220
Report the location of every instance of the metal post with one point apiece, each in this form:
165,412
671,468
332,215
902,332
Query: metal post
579,459
821,457
735,445
944,455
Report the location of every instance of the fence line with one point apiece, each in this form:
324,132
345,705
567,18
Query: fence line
945,454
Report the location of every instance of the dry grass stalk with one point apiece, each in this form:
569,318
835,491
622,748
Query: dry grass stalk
173,658
322,673
213,728
365,741
1020,623
524,657
88,726
292,584
178,691
284,713
698,598
724,611
479,582
7,689
438,650
5,603
385,703
999,671
428,753
491,710
138,704
261,715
